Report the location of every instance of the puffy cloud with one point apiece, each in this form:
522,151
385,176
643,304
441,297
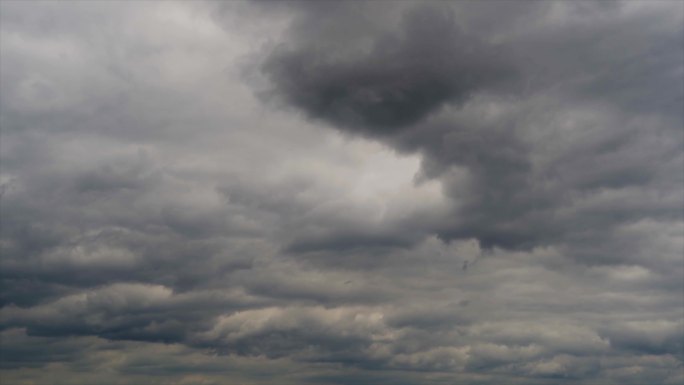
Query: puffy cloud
341,193
397,81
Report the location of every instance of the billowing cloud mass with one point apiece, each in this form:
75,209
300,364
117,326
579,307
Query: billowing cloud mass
342,192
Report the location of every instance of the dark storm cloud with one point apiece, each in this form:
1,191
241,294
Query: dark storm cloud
397,81
509,191
455,192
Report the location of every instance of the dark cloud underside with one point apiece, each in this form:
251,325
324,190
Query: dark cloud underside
342,192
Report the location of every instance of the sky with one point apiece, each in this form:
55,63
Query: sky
342,193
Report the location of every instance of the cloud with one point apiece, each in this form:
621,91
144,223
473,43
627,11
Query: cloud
500,108
290,192
397,81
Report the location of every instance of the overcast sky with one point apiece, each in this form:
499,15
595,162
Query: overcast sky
342,193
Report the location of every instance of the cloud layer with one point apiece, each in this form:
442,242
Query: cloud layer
342,193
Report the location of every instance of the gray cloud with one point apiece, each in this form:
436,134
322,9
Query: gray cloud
494,140
397,81
290,192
